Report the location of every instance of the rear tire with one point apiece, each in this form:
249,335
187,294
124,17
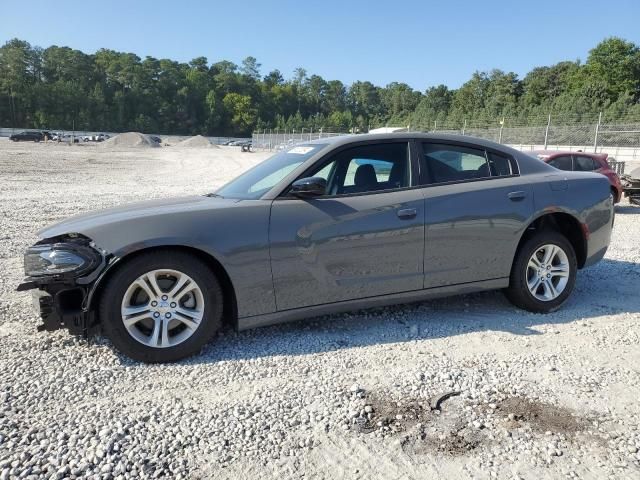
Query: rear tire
161,306
543,273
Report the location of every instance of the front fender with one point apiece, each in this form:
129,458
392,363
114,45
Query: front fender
236,237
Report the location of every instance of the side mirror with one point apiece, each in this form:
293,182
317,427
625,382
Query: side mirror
309,187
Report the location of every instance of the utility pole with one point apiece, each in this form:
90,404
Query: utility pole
464,126
595,139
546,132
501,127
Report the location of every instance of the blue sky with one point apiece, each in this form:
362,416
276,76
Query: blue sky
422,43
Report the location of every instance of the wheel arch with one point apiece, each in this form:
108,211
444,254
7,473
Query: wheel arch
230,309
564,223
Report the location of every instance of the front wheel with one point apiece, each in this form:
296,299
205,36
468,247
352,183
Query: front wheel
161,306
543,273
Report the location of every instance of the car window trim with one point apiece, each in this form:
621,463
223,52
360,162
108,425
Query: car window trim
426,176
328,158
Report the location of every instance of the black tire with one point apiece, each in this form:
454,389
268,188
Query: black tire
116,287
518,291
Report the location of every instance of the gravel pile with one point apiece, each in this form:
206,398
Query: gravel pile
358,395
196,142
129,140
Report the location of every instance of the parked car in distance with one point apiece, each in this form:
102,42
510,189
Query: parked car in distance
325,226
583,162
237,143
27,137
155,139
67,137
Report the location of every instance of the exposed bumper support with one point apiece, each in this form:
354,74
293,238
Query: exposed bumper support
64,302
60,305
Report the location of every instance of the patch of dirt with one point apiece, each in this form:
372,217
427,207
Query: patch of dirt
425,430
541,416
396,416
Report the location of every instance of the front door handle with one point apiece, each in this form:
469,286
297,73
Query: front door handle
407,213
516,196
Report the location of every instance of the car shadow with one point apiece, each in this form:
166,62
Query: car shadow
607,288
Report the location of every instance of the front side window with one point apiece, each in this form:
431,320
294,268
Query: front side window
449,163
562,163
584,164
367,168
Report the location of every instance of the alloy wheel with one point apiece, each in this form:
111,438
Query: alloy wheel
547,272
162,308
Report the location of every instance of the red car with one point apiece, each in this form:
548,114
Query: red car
583,162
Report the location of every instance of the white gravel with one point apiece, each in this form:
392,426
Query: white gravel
342,397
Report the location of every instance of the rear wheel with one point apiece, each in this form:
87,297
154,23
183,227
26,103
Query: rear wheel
161,306
543,273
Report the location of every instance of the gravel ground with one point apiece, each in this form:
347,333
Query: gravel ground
348,396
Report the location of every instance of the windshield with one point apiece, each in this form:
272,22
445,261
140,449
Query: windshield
254,183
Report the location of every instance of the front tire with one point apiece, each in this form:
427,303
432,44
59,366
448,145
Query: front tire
543,273
161,306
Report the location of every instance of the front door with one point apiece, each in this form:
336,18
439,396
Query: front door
364,237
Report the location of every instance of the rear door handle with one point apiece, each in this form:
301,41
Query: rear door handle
515,196
407,213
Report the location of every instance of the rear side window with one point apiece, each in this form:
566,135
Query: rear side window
499,165
561,163
584,164
448,163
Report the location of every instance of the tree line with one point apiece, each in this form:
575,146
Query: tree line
63,88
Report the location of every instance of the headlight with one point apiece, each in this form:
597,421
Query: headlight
59,258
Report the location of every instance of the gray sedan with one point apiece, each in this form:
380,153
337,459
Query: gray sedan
330,225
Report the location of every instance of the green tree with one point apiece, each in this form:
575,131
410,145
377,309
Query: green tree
241,114
616,63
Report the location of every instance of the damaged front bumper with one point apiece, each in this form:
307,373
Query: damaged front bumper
64,300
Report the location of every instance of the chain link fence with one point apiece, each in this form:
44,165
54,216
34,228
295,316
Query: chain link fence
620,139
271,139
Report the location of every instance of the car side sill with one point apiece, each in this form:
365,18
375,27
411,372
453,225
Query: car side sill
370,302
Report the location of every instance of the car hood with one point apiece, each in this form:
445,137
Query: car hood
87,222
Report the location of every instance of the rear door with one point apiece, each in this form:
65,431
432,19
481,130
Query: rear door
364,237
477,207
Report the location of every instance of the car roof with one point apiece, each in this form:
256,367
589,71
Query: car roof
346,139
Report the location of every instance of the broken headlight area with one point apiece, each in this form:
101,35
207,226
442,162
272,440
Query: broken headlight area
74,257
60,272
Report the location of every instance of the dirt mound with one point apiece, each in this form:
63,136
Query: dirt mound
196,142
130,139
541,416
